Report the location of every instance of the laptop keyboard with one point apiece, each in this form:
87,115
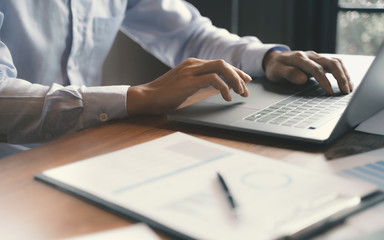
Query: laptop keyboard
310,108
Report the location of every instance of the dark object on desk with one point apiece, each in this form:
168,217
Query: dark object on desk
228,194
354,143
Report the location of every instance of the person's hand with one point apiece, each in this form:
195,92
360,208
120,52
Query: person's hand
170,90
297,66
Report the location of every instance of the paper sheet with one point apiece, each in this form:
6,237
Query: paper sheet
172,180
368,167
374,124
138,231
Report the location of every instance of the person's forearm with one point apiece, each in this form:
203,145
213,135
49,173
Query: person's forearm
37,113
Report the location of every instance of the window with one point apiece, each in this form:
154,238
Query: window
360,26
326,26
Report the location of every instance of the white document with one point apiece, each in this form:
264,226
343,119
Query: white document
137,231
171,182
368,167
374,124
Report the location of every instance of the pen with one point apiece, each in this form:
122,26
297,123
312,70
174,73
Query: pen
227,193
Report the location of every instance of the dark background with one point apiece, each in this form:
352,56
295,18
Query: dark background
301,24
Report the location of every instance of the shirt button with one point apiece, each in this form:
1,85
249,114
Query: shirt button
103,117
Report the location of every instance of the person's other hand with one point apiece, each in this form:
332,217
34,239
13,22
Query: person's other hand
170,90
298,66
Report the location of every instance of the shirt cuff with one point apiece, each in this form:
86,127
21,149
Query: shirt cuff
252,59
104,103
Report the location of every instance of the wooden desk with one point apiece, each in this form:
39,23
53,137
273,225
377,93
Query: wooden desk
33,210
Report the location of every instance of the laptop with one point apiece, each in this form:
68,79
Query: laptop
303,113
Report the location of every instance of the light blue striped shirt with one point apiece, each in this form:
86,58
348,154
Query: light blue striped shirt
52,52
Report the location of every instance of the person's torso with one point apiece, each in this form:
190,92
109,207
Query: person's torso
60,41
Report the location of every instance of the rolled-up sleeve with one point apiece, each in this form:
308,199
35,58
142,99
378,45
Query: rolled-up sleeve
36,113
